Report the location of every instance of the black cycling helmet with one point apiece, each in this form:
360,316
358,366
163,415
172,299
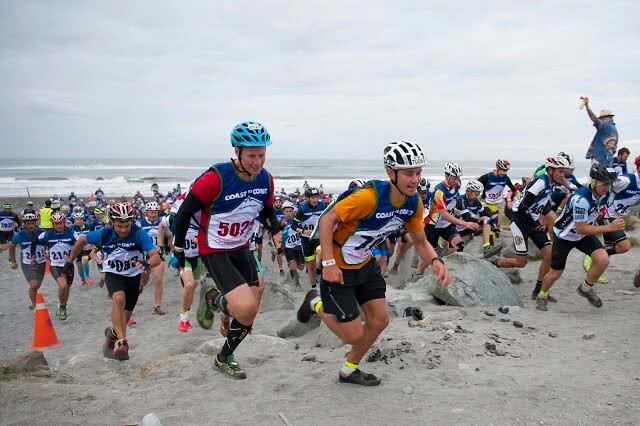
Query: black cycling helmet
309,192
602,174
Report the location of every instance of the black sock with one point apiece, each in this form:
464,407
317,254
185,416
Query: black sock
237,333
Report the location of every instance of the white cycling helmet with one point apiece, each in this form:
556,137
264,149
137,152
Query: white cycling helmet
357,183
152,206
287,205
474,186
558,162
403,155
452,169
29,217
569,158
77,215
424,184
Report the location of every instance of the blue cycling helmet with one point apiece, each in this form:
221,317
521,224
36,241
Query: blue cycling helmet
250,133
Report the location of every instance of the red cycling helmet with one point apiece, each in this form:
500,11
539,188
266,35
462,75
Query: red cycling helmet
58,217
121,211
503,164
637,161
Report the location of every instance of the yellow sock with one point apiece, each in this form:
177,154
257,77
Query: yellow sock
543,293
486,244
317,306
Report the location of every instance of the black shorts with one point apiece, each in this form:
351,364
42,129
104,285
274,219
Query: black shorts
294,255
561,248
5,237
360,286
309,248
130,286
434,234
32,273
613,238
63,271
521,235
231,269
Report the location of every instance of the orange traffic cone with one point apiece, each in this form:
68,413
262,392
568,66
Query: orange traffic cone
44,335
47,268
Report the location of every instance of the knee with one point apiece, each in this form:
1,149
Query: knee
600,258
623,246
379,322
244,311
118,298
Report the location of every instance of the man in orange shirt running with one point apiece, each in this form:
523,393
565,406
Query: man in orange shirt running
349,230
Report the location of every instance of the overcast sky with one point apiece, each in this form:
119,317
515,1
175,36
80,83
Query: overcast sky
464,79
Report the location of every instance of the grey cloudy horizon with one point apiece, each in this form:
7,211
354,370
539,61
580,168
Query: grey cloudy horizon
465,80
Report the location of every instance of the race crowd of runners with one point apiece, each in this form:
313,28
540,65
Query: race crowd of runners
337,246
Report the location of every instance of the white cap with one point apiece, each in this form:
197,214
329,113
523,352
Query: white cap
606,113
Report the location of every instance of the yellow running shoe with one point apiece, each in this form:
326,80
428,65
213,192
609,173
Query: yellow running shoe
603,280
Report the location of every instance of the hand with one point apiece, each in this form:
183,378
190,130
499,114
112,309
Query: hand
472,225
617,225
142,265
99,260
179,254
332,274
33,262
140,288
586,101
542,227
441,273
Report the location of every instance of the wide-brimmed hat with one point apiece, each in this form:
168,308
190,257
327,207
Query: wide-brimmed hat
606,113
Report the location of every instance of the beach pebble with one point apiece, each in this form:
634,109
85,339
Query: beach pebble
518,324
310,358
151,419
408,390
489,314
553,334
589,336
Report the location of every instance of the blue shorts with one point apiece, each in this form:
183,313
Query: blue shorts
380,252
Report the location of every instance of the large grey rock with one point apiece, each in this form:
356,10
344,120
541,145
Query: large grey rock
295,328
475,282
326,338
276,297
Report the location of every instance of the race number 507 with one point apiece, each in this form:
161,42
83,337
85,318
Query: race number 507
233,229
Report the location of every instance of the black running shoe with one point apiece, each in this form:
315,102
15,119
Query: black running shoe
536,290
591,296
304,311
359,377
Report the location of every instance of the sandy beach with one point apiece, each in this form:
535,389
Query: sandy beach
573,365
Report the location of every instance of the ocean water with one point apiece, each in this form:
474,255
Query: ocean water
42,178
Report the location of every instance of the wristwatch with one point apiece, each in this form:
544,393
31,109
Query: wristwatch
328,262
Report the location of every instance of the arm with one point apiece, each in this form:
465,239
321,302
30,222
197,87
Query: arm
325,231
584,228
77,247
190,205
484,180
590,113
511,186
297,220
